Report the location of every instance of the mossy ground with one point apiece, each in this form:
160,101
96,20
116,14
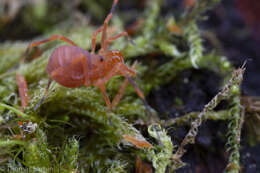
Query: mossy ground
73,132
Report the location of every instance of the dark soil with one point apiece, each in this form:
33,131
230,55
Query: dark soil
239,40
192,89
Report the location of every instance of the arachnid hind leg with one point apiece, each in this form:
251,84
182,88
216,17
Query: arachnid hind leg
23,90
52,38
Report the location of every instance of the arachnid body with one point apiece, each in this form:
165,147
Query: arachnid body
72,66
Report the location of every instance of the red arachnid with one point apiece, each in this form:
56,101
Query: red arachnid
72,66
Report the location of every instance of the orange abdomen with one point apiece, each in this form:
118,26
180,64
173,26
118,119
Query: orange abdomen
69,66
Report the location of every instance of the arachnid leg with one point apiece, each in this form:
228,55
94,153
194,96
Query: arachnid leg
141,95
109,16
94,36
23,89
44,96
52,38
126,71
120,94
137,89
108,103
122,89
107,42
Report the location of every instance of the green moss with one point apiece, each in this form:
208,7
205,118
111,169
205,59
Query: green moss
161,155
10,54
75,133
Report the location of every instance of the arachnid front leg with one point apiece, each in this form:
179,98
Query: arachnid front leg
139,92
101,84
107,42
103,90
122,89
94,36
108,18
